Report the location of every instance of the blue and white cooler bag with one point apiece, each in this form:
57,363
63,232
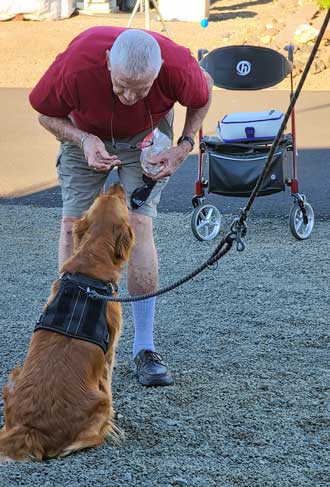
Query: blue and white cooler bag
249,126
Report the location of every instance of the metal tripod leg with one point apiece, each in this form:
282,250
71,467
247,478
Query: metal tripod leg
135,9
154,2
145,3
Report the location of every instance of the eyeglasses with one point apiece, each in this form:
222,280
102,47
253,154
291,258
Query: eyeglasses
146,142
141,194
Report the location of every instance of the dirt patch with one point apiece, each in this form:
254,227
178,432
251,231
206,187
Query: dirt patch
28,48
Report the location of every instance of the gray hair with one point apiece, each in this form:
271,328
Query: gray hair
136,53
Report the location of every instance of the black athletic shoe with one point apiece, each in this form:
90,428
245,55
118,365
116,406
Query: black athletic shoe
151,370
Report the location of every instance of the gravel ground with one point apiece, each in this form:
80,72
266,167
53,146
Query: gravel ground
248,345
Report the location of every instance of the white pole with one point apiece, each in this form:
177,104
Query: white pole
147,8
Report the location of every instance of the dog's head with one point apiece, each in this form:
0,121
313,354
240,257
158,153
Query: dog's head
103,236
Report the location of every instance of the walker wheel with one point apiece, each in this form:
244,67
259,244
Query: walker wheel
301,229
206,222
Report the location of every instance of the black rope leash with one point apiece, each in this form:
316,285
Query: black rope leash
224,246
238,227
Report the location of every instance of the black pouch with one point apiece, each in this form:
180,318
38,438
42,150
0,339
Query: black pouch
234,171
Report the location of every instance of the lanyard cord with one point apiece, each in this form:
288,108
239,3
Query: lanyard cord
113,142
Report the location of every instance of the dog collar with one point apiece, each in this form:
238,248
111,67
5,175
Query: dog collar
85,282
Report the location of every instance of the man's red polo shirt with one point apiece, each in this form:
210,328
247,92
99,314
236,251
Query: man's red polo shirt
78,84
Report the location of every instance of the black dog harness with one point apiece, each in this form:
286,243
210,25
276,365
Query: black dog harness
74,313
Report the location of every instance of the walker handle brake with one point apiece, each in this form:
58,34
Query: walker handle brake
290,49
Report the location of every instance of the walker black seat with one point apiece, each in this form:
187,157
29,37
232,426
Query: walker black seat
245,67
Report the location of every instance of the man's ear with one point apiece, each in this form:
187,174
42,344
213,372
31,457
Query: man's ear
124,243
80,227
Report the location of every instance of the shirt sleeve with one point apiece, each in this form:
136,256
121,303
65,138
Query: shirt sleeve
190,85
55,95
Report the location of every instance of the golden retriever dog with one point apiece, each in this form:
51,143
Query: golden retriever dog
60,400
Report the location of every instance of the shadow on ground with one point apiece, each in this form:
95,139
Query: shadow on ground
228,12
239,6
231,15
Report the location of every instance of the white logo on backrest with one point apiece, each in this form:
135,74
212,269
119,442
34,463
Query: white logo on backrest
243,68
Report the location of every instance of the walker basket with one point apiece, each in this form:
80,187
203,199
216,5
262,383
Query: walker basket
235,168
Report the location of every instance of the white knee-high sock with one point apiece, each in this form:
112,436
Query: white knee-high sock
143,313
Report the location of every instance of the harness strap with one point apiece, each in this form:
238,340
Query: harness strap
84,281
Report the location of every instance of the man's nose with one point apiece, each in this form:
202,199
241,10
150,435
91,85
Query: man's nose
129,95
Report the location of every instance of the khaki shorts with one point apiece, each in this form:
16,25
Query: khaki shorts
81,185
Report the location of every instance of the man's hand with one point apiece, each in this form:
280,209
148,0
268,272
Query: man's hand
97,156
169,159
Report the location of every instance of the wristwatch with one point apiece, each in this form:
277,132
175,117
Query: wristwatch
188,139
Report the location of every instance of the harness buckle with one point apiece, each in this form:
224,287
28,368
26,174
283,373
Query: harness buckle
111,288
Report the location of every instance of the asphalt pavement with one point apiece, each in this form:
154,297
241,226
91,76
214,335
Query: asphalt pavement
314,178
28,167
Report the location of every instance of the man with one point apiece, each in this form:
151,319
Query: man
100,98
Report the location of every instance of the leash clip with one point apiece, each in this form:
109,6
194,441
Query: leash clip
213,266
91,293
239,230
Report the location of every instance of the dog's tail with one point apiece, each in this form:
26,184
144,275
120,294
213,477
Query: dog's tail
22,443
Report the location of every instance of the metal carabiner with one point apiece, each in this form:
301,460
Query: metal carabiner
239,229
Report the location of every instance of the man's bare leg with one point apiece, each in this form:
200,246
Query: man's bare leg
143,263
65,250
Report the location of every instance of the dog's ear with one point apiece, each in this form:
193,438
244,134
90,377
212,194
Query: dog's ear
124,243
79,229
